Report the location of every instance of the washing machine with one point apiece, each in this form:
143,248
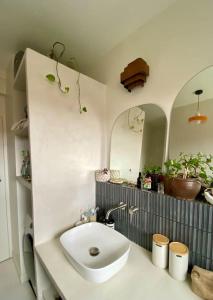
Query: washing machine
28,251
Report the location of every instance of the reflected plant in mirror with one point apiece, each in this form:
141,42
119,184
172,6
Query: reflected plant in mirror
138,140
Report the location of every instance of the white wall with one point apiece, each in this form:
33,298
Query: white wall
191,138
2,83
66,146
176,44
3,116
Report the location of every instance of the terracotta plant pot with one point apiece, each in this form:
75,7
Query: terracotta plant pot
184,188
167,185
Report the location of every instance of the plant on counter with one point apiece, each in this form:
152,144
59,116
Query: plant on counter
155,173
197,166
188,173
152,170
173,167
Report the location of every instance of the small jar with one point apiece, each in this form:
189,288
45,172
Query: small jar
178,260
147,183
160,248
110,223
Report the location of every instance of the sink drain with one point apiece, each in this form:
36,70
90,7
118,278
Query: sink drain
94,251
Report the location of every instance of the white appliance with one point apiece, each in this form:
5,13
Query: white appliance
29,252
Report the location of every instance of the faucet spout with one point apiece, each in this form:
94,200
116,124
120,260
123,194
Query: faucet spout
121,206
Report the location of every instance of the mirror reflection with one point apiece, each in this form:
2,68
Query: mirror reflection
194,100
138,140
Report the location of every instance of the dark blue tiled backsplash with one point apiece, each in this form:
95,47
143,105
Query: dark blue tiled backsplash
190,222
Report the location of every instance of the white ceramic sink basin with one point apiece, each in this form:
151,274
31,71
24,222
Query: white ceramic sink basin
95,251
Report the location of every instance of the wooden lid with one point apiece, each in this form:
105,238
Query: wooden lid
178,248
160,239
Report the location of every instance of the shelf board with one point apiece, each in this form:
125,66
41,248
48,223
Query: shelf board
24,182
22,132
49,294
20,78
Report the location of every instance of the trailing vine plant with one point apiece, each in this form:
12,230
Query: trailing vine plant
81,108
51,77
54,55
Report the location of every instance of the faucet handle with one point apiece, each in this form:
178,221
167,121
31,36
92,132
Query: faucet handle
133,210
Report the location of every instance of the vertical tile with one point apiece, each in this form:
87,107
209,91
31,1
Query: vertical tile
210,218
185,221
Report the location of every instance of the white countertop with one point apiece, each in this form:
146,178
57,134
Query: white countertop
138,280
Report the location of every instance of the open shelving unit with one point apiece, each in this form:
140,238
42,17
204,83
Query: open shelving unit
24,182
22,195
22,132
19,82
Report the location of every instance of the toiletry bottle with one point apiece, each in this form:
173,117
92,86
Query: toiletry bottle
147,183
139,180
110,223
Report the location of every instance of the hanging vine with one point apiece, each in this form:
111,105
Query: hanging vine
81,108
54,55
51,77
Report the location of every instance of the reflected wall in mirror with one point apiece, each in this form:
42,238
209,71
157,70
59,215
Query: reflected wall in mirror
190,137
138,140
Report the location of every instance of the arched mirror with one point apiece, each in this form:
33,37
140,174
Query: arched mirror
193,135
190,142
138,140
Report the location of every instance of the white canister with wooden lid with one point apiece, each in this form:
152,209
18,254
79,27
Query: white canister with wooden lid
160,244
178,260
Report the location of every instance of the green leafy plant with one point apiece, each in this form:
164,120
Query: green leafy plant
192,166
152,170
173,167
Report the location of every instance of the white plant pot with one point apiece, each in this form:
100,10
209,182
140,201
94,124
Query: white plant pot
208,196
102,176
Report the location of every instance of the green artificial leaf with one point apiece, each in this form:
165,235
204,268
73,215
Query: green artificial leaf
66,89
50,77
83,109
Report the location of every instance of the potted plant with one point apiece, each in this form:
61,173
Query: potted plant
173,167
188,173
155,173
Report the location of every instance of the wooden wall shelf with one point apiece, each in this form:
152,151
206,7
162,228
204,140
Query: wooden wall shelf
135,74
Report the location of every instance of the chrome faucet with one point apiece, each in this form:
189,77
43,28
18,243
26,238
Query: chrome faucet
121,206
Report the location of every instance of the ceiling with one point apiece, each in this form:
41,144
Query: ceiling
88,28
203,81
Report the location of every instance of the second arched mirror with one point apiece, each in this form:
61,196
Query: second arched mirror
190,163
138,140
